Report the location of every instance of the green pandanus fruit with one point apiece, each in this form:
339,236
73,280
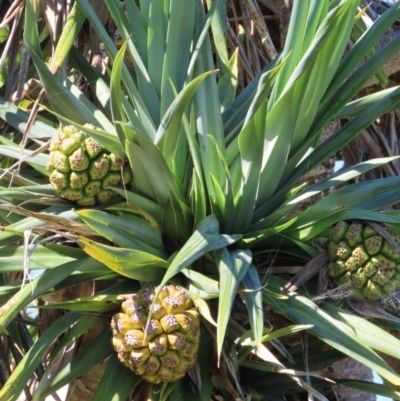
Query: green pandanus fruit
82,170
361,257
163,349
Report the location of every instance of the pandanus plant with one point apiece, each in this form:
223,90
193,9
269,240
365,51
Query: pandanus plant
210,214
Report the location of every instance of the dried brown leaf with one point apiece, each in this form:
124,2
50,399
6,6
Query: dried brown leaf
308,271
57,222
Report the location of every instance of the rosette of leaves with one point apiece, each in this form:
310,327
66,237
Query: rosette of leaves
217,177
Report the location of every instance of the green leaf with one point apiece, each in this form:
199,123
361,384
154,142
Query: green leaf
201,281
178,43
166,390
82,326
206,105
97,82
68,35
184,390
223,205
138,25
340,177
303,92
251,141
357,52
142,180
227,84
127,262
201,32
39,161
335,333
263,89
356,107
232,267
221,196
152,174
85,324
251,286
18,119
63,100
96,303
93,353
116,95
40,257
34,289
126,231
355,83
247,346
234,115
4,33
168,132
372,335
316,224
367,195
199,191
145,85
131,88
372,388
26,193
177,221
24,370
294,43
218,27
359,29
117,382
339,139
205,239
156,45
150,210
